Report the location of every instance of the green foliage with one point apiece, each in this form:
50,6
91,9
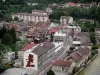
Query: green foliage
16,19
93,38
8,36
94,47
72,48
7,39
93,52
75,69
50,72
77,13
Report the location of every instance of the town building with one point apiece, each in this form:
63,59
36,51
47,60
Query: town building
35,58
25,48
81,39
69,29
69,4
66,20
59,36
63,67
79,56
36,16
49,10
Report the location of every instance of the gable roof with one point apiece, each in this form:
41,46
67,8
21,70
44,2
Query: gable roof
28,46
83,51
43,47
62,63
76,56
80,34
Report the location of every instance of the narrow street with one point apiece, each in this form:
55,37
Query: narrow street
93,68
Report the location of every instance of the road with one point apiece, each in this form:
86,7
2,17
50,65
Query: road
61,54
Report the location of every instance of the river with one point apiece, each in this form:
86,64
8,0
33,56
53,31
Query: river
93,68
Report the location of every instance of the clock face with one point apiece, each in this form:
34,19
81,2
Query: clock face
30,61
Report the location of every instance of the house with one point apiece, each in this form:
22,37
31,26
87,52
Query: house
66,20
69,4
63,67
75,29
53,25
84,38
39,12
36,16
25,48
60,36
49,10
97,31
8,57
58,46
79,56
37,57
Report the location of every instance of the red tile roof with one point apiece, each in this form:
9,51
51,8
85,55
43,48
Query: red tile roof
44,26
62,63
70,3
28,46
53,30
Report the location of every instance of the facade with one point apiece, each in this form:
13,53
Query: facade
84,39
75,29
63,67
36,16
25,48
35,58
65,20
60,36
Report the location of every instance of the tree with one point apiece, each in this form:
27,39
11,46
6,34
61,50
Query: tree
72,48
3,49
16,19
2,32
13,34
93,38
7,39
50,72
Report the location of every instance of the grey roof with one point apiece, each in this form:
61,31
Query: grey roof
83,34
97,29
65,17
83,51
44,47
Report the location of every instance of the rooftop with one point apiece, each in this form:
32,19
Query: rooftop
62,63
28,46
43,47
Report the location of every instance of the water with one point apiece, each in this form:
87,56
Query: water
93,68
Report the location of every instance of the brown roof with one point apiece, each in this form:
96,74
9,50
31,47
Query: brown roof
62,63
83,51
28,14
39,11
76,39
42,48
86,44
80,34
97,29
76,56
